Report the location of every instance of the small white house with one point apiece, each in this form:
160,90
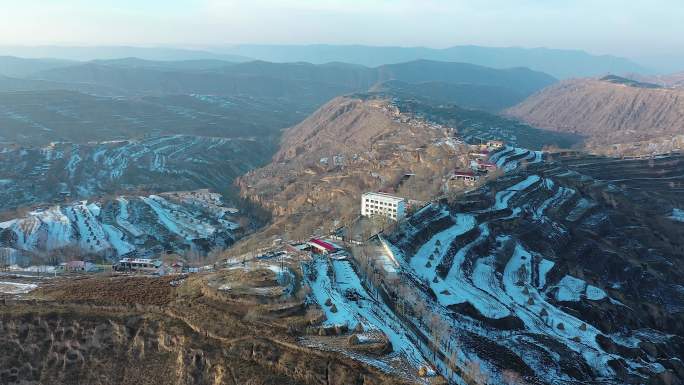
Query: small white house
381,204
468,178
77,267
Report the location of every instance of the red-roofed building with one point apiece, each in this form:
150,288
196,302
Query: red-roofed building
464,175
322,246
480,165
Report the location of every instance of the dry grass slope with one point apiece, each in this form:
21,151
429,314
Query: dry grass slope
606,112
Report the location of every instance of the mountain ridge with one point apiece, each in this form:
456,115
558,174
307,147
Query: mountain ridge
559,63
317,83
607,112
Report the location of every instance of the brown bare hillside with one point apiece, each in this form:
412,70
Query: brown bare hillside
350,146
675,80
345,125
170,330
606,111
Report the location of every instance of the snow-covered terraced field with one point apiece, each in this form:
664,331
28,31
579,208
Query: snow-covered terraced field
81,171
333,281
130,224
543,281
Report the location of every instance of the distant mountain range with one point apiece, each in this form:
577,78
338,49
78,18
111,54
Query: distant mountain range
311,84
609,110
116,52
12,66
559,63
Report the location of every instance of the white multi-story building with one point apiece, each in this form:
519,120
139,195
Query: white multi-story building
382,204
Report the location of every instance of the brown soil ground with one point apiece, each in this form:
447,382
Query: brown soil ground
138,330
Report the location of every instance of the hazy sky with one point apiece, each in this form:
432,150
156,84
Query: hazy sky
623,27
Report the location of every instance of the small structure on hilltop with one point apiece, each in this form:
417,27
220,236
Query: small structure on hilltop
385,205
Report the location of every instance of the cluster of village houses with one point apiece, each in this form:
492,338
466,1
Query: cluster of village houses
395,208
124,265
393,110
479,154
479,163
314,246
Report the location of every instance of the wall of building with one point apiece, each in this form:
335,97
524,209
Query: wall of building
383,205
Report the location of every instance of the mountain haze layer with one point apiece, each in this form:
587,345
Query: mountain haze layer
86,53
559,63
18,67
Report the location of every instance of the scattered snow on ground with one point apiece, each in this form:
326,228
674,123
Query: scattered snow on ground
372,314
677,215
570,289
33,269
544,267
117,240
122,218
16,288
503,197
177,220
595,294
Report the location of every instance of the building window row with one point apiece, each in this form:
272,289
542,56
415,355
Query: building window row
371,201
382,208
378,212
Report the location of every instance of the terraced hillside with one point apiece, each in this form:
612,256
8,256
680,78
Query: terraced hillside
67,171
37,118
127,225
566,270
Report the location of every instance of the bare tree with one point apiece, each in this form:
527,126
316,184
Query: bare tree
5,259
473,371
511,377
